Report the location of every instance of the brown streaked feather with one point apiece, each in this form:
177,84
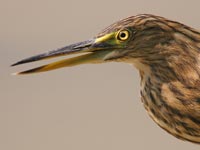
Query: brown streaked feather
171,89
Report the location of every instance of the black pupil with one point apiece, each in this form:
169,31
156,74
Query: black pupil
123,35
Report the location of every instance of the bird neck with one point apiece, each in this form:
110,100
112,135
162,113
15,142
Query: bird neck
177,69
177,61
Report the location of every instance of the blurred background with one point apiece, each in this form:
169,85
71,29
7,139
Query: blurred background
88,107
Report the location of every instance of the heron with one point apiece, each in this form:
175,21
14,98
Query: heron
166,54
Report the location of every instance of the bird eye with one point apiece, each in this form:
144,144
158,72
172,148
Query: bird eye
123,35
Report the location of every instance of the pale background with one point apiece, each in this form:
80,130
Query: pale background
89,107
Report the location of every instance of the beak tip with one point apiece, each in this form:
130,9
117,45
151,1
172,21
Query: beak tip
14,74
15,64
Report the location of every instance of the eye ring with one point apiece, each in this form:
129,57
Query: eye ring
123,35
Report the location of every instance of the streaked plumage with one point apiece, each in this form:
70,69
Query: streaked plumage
167,55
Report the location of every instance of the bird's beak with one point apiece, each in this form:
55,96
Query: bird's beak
94,51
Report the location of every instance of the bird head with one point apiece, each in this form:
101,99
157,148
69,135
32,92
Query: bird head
141,39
